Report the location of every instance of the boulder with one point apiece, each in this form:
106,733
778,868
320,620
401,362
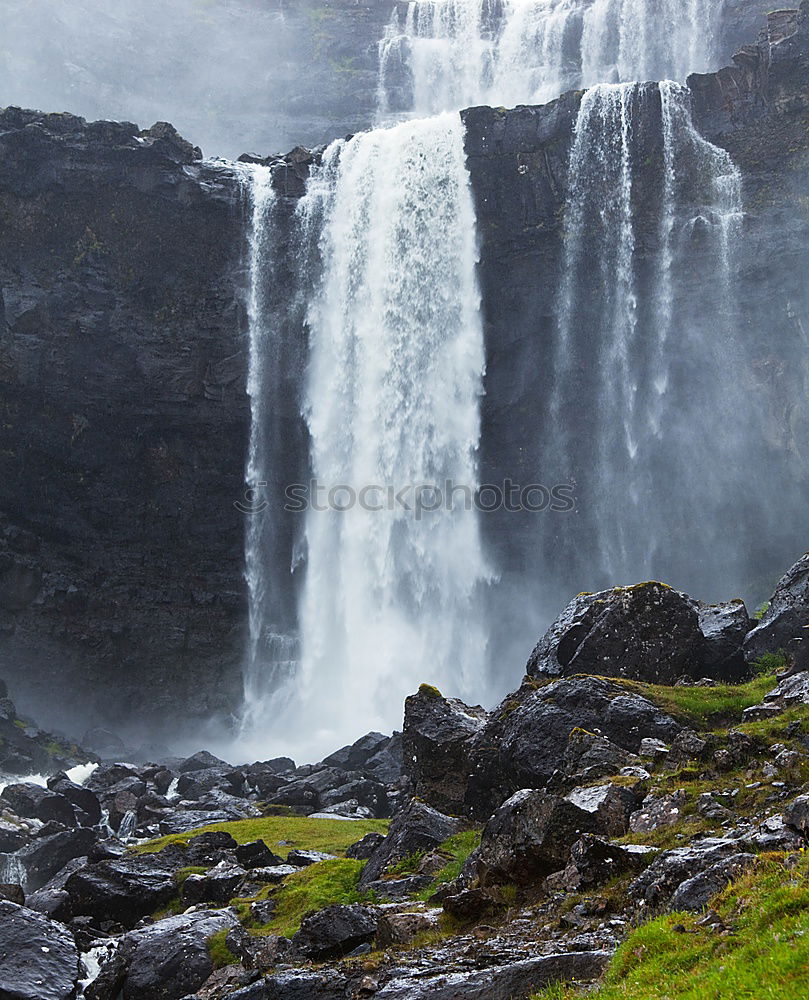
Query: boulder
796,814
354,757
401,928
594,861
38,957
183,821
13,893
13,836
261,952
648,632
589,757
695,893
256,855
219,885
526,739
660,881
657,811
725,627
363,849
609,805
54,903
299,795
46,856
200,761
364,794
792,690
297,984
79,796
499,982
786,616
125,889
418,827
530,836
169,959
436,739
35,802
302,859
335,931
387,764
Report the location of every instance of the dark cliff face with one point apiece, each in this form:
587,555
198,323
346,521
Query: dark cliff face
122,362
123,357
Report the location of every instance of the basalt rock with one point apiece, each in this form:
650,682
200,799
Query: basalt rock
46,856
418,827
783,625
648,633
38,957
169,959
724,627
125,889
660,882
437,738
526,739
335,931
531,834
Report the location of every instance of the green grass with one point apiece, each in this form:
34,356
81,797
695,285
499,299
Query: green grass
283,833
313,888
704,707
220,954
764,955
457,848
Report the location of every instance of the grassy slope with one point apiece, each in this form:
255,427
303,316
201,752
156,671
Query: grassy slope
761,954
283,833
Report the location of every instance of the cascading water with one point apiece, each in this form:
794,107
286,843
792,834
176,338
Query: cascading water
446,54
641,357
396,363
386,255
272,650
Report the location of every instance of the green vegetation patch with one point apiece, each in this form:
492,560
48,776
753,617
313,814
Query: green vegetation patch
760,950
220,954
282,833
703,707
314,888
457,849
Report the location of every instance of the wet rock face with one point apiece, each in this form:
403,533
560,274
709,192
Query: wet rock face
648,633
38,957
527,738
437,736
122,352
784,623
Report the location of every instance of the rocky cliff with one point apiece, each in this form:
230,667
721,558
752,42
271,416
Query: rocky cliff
123,359
124,417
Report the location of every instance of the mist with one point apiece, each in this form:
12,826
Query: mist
230,75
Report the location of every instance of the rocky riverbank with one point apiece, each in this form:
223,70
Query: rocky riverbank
656,751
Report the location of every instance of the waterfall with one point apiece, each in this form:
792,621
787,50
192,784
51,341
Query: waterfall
641,359
446,54
396,363
272,645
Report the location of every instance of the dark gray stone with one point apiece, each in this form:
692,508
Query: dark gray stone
335,931
38,957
